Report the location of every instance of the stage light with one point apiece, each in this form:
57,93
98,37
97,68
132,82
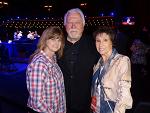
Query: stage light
9,41
48,7
3,3
83,4
112,14
101,14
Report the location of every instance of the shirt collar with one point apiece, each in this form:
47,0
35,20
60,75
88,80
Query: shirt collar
53,59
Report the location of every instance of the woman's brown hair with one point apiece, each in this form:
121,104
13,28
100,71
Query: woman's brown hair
50,33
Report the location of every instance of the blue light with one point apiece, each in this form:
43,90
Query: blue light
9,41
101,14
112,14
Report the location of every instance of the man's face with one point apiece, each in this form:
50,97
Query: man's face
74,26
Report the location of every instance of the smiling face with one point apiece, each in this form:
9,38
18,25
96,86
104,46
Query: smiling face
74,26
53,45
104,44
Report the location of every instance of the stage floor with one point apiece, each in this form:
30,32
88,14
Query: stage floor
13,68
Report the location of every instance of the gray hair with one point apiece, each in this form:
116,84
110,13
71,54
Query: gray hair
74,10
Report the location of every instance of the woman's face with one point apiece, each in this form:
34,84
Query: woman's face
103,44
53,44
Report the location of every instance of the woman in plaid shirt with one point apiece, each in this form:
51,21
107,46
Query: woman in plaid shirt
45,81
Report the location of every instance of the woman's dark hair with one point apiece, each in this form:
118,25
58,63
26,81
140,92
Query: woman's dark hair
105,29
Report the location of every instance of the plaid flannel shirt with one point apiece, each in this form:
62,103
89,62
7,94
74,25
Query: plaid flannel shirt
45,85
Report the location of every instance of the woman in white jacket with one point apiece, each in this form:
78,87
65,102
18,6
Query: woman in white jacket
112,76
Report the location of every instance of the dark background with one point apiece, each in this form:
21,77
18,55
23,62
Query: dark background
93,8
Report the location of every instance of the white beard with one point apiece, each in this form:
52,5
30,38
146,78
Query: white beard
74,34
